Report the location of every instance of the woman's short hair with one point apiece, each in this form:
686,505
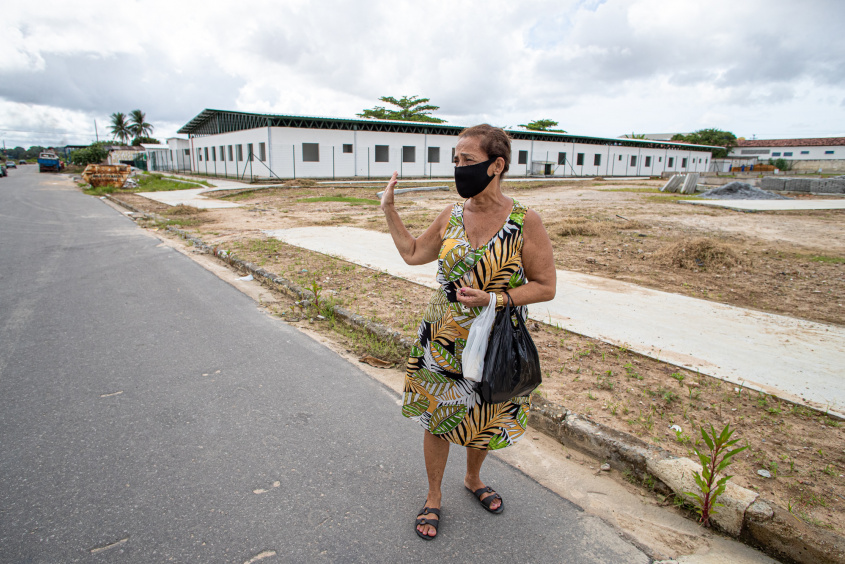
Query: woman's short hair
494,141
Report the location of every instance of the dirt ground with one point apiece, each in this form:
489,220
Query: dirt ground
792,263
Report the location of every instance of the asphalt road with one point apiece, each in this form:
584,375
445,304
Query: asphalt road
143,402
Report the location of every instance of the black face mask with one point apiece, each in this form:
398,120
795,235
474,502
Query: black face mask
471,180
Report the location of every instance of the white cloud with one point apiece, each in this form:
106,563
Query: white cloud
599,68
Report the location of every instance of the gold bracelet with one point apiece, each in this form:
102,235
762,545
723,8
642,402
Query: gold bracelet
500,301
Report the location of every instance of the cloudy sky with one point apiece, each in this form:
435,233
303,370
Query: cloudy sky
770,68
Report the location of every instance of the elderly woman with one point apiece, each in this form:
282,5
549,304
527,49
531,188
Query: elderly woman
489,243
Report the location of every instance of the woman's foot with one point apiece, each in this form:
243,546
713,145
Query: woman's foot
491,501
427,522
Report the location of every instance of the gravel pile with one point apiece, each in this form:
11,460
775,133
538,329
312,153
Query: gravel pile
740,191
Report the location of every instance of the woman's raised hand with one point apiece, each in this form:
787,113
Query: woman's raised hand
387,197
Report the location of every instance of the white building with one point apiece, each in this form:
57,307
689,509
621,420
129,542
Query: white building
826,153
281,146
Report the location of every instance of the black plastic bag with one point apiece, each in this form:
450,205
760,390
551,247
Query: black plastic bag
511,365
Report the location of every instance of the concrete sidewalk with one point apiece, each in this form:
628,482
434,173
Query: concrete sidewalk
770,205
194,196
791,358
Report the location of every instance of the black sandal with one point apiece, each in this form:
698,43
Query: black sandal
488,501
427,521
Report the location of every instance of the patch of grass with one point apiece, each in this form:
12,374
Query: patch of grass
156,183
342,199
663,198
827,259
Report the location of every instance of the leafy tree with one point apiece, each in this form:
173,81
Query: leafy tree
411,108
710,136
138,140
120,127
636,136
138,125
95,153
542,125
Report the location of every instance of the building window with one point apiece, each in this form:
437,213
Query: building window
382,153
776,154
683,163
434,154
523,157
262,151
206,153
240,151
660,159
409,154
222,153
648,161
620,157
561,158
214,154
187,152
597,160
828,152
579,159
633,160
250,152
231,157
347,147
199,154
788,154
671,162
311,152
805,152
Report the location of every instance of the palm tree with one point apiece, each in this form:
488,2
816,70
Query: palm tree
120,128
138,124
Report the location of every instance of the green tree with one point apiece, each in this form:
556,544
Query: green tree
120,127
710,136
95,153
411,108
138,125
542,125
636,136
151,140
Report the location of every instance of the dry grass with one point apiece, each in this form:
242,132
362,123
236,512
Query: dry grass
182,210
305,182
699,252
587,227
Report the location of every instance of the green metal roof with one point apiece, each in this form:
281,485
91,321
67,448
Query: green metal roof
212,122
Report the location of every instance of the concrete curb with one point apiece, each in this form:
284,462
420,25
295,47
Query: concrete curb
745,516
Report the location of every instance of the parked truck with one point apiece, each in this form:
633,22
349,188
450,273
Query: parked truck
48,161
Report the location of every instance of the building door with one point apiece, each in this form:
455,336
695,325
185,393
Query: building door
548,169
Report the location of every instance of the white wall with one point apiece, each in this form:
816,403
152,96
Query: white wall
285,155
798,153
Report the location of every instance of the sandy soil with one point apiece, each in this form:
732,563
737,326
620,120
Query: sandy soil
801,448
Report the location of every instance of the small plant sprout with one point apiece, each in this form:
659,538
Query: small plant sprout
715,459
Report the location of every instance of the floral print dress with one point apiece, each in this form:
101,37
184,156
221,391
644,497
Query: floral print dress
436,394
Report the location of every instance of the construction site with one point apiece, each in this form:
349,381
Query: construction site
669,314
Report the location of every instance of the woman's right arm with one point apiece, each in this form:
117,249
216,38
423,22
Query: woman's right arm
419,250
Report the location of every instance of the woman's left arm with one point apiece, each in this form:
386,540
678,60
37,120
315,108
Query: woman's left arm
538,262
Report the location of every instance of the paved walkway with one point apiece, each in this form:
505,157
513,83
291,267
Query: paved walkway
794,359
194,196
771,205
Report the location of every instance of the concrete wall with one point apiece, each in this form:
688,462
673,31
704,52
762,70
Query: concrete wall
798,153
826,165
284,155
806,185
